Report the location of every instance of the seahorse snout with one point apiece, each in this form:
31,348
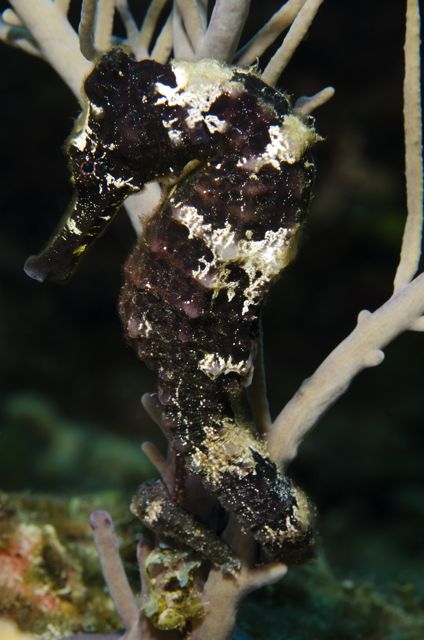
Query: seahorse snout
37,268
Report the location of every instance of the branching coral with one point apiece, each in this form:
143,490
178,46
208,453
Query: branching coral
187,35
403,311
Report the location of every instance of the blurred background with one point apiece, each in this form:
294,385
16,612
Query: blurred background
71,421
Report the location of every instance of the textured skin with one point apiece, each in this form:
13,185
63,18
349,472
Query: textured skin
239,181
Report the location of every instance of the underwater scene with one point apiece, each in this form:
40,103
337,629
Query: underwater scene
71,418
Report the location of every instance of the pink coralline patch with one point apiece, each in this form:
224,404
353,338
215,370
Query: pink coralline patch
17,556
21,571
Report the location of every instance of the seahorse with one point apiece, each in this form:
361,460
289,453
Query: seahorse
234,161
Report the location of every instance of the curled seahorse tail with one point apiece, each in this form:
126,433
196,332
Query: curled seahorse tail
157,510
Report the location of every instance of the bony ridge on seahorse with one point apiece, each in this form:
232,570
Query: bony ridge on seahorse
241,178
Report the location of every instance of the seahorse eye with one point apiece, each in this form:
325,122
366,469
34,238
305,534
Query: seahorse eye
87,167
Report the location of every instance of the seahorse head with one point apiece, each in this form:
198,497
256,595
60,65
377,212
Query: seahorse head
144,120
118,144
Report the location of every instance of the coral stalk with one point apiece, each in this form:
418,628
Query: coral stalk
294,37
361,349
143,44
403,311
56,39
306,105
223,34
108,548
412,236
269,32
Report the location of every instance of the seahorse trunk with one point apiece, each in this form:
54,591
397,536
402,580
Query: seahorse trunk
190,305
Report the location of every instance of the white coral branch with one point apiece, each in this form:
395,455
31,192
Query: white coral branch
140,206
56,39
144,42
16,35
412,237
63,5
192,20
86,29
418,325
163,46
223,593
107,545
403,311
305,105
361,349
183,48
224,31
264,38
294,37
96,26
158,461
129,22
105,12
11,18
202,9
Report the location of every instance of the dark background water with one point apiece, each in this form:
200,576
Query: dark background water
61,346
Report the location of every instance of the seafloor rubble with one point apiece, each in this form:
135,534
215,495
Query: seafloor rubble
49,576
51,586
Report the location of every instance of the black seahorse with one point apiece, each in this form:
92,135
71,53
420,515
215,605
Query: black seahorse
238,174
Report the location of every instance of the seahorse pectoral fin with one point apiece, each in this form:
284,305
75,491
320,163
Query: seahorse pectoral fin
80,227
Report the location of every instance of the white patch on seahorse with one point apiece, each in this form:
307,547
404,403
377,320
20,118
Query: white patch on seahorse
72,226
214,124
230,449
85,133
175,135
288,143
153,511
262,260
119,182
199,84
214,365
168,124
96,110
222,243
80,141
144,327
